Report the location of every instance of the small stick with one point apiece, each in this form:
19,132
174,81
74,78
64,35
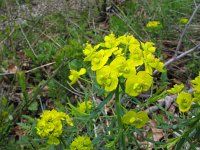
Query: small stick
167,101
178,57
28,71
185,29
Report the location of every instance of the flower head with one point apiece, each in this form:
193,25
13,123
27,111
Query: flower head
176,89
128,40
184,101
148,47
196,83
108,78
123,56
136,119
100,59
151,62
123,66
50,125
153,24
84,106
110,41
81,143
196,97
183,21
136,54
76,74
138,83
89,51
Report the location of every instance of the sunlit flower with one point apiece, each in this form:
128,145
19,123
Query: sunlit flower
74,75
176,89
184,21
135,84
136,119
128,40
153,24
89,51
123,66
81,143
122,56
108,78
84,106
184,101
151,62
136,54
196,98
50,125
196,83
148,47
110,41
100,59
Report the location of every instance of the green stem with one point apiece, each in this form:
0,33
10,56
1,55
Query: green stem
118,112
85,80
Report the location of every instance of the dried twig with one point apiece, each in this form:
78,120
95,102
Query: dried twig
23,33
173,59
28,71
13,30
185,29
165,102
74,92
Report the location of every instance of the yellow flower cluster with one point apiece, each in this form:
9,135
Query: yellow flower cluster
196,86
84,106
185,99
153,24
74,75
81,143
183,21
176,89
136,119
123,56
50,125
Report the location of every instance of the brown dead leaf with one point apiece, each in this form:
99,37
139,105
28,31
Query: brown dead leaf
103,25
172,109
12,68
18,131
157,133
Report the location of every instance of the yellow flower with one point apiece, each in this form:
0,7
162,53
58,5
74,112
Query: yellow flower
128,40
196,98
184,101
76,74
84,106
176,89
50,125
196,83
148,47
153,24
136,119
110,41
183,21
89,51
117,51
81,143
108,78
135,84
151,62
123,66
136,54
100,59
129,117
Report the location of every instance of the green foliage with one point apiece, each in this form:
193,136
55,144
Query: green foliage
5,118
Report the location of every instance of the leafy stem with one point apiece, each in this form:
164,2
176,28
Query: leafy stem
118,112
